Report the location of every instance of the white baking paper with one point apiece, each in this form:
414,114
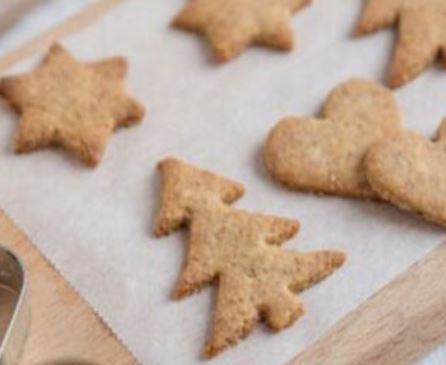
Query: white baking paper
95,225
21,20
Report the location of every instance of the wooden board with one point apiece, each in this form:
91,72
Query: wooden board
64,329
399,325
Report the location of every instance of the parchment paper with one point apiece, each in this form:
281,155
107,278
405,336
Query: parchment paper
95,225
21,20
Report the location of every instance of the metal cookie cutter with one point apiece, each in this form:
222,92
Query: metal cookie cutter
15,319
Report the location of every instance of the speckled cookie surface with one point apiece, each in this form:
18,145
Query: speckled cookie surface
232,25
239,250
70,104
325,155
422,33
186,189
409,171
256,278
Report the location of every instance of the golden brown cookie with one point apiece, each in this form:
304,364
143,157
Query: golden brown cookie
186,188
325,155
422,33
71,104
409,171
256,278
232,25
240,251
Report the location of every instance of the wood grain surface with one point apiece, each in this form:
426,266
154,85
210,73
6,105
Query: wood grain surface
399,325
73,24
64,329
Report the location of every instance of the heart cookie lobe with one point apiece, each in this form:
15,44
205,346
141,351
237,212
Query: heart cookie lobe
407,170
325,155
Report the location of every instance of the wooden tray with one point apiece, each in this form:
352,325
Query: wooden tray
397,326
64,329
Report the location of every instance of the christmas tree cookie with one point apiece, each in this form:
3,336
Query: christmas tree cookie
239,250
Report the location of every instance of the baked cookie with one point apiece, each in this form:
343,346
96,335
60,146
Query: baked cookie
422,33
408,170
232,25
257,279
325,155
239,250
186,189
71,104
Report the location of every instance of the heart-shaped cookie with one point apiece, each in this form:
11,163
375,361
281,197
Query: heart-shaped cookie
407,169
326,155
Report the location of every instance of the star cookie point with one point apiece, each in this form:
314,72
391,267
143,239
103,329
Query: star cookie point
230,26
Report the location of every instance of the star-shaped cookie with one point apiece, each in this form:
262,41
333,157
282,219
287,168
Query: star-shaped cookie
232,25
70,104
422,33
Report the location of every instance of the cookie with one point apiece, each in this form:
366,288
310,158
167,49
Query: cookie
325,155
408,170
241,251
256,278
187,188
422,33
70,104
232,25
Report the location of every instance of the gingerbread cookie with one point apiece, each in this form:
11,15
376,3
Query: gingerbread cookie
240,251
71,104
325,155
256,278
232,25
408,170
422,33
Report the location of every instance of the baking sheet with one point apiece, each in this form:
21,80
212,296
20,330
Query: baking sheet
95,225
